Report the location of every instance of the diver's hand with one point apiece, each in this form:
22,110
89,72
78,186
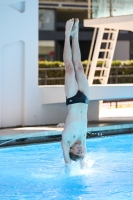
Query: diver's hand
67,168
82,164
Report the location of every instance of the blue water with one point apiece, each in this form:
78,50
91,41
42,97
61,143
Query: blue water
37,172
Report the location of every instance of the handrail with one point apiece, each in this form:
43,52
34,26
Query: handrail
52,68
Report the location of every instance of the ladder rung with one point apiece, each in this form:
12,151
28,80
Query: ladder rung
109,31
99,77
105,50
101,68
103,59
107,41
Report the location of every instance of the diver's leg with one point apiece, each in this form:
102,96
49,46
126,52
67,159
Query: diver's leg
71,86
79,71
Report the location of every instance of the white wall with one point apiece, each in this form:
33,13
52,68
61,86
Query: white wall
19,93
20,96
122,50
11,90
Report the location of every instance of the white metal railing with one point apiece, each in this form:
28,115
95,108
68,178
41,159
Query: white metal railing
106,59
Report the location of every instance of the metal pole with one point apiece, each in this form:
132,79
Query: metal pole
116,73
110,8
45,77
89,9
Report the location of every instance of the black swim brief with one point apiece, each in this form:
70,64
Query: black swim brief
80,97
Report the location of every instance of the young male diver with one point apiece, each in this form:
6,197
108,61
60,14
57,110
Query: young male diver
77,93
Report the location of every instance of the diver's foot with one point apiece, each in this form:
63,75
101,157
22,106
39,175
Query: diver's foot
75,28
69,26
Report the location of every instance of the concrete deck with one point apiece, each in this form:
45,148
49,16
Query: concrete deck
26,135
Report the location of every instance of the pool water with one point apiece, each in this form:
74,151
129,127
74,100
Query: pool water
38,172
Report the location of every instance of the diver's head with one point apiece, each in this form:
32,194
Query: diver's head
76,151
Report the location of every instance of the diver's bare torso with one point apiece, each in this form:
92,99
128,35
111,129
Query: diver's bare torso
75,128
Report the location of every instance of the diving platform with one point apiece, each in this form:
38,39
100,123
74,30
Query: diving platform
56,94
124,22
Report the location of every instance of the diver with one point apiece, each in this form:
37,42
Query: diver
77,97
